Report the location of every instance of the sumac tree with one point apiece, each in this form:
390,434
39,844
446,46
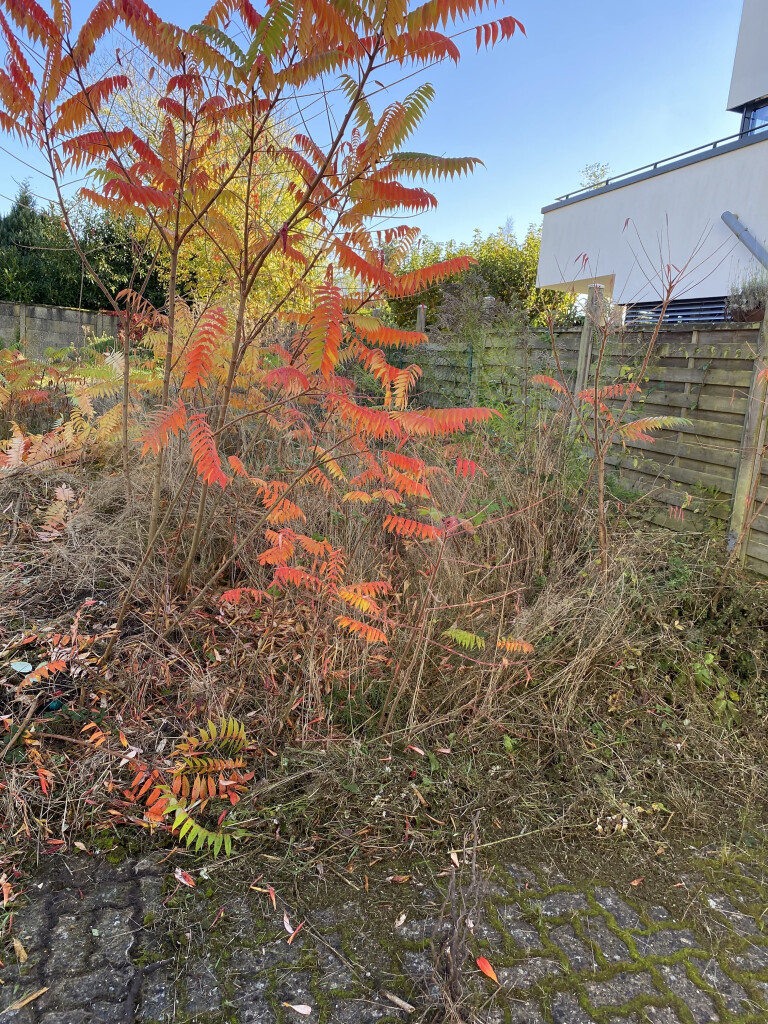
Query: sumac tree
276,149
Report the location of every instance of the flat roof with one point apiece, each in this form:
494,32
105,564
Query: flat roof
691,156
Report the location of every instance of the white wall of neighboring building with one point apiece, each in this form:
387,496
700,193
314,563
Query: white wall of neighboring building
621,235
750,68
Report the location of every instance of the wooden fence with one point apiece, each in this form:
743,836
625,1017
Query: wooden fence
713,374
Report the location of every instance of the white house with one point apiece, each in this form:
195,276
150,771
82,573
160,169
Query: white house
706,210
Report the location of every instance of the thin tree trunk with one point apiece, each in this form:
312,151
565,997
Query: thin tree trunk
158,480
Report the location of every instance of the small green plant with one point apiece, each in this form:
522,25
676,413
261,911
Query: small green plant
709,676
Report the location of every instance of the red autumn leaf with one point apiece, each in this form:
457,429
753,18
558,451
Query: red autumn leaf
486,968
184,878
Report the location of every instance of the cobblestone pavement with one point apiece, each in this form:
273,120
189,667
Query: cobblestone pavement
127,943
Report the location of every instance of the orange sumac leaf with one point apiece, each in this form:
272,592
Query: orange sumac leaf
512,646
370,634
287,378
42,672
161,425
467,468
486,968
325,331
204,452
199,356
411,528
236,596
550,382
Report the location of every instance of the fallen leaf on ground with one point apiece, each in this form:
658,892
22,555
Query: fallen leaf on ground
287,923
486,968
638,881
21,953
301,1008
296,931
184,878
400,920
399,879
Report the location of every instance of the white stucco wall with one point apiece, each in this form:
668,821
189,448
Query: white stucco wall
628,233
750,68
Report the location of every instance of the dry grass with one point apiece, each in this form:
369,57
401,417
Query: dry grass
620,704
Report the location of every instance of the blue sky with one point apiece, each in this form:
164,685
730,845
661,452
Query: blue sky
624,83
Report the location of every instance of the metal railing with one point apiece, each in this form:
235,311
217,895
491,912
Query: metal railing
758,130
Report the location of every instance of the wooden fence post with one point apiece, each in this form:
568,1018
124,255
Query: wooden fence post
751,449
592,317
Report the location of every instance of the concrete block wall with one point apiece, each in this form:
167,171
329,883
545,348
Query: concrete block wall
41,327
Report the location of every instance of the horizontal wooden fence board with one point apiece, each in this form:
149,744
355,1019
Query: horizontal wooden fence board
703,372
709,454
681,475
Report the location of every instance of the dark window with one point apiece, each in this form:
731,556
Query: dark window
755,117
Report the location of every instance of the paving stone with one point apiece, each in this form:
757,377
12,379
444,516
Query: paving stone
109,1013
554,876
150,890
566,1009
114,935
699,1003
100,896
334,970
157,1000
419,931
65,1017
579,956
739,922
487,934
203,993
25,1015
70,945
495,1015
563,904
528,973
509,914
416,966
666,942
32,926
82,990
660,1015
296,988
239,916
256,1012
614,949
623,914
82,948
730,991
524,936
620,989
754,958
522,1013
96,1013
362,1011
522,877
